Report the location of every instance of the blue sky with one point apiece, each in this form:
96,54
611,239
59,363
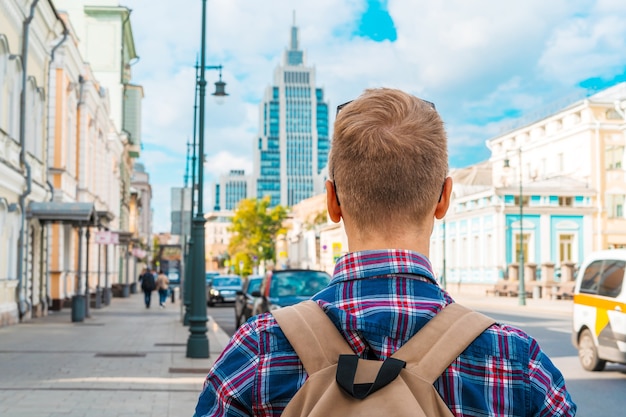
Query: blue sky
484,63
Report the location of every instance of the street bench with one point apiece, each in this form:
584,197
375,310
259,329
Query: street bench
565,291
500,288
514,289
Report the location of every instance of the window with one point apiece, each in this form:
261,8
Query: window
615,205
612,278
612,114
603,277
525,240
566,201
524,200
589,283
560,162
566,243
613,157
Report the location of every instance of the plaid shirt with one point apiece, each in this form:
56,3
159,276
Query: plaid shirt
379,299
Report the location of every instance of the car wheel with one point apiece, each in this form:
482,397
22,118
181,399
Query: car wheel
588,353
211,302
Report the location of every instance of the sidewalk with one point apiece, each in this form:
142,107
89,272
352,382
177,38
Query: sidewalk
125,360
495,303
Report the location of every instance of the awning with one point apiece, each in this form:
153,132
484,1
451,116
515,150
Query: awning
104,217
78,214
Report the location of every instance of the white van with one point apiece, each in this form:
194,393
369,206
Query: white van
599,323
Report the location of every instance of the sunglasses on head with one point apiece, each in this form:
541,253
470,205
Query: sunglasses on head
341,106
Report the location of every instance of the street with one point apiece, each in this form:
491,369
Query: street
126,360
595,393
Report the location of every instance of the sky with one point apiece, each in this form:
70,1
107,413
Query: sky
485,64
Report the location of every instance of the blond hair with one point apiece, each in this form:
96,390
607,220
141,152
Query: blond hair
389,158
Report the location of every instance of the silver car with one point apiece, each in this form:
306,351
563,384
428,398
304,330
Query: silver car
223,289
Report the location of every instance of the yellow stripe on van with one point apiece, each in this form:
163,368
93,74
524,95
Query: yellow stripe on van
598,301
602,304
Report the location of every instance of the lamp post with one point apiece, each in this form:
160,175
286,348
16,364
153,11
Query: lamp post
198,343
189,269
522,285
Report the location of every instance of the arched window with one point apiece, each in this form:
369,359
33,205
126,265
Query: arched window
14,89
38,118
4,58
29,129
612,114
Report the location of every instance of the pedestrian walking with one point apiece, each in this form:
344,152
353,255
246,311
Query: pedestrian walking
147,285
388,183
162,285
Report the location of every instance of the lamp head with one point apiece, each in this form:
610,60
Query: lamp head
220,90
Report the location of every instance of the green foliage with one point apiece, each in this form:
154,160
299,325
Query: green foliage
156,248
255,227
242,264
320,218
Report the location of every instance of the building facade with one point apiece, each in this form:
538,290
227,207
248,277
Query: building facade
107,44
551,192
231,189
56,141
216,239
141,216
24,66
291,150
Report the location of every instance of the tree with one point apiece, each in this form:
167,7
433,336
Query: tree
254,230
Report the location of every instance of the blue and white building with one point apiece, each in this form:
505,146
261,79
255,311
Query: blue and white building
231,189
553,189
291,150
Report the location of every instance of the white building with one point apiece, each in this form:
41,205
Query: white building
552,190
24,67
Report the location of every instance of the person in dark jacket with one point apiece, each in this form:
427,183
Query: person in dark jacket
147,285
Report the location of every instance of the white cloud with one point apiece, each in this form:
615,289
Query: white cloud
479,61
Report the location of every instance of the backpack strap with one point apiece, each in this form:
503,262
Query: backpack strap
429,352
312,335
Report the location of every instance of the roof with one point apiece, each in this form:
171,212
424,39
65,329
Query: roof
82,214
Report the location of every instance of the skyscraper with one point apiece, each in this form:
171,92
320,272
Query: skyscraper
231,189
293,142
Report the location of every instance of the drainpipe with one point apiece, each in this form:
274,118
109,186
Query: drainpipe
46,296
22,304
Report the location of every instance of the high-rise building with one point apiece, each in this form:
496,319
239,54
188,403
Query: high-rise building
291,150
180,211
231,189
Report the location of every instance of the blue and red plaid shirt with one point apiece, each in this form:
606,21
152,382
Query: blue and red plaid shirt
378,300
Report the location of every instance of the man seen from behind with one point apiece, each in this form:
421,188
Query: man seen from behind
388,183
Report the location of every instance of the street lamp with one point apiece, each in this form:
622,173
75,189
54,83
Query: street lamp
522,285
198,343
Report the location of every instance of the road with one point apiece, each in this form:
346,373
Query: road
596,393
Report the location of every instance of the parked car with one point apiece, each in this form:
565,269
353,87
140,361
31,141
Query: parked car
223,289
283,288
209,277
599,313
244,302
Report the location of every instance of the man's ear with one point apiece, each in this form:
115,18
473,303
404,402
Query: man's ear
444,201
332,204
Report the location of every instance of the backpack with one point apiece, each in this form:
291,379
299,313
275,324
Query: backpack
342,384
147,282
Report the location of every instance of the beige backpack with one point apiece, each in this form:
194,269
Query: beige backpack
341,384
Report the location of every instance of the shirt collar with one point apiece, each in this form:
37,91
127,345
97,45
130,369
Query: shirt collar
372,263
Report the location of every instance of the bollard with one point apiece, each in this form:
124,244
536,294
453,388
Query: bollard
78,308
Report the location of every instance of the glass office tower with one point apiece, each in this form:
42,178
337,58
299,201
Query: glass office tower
293,143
